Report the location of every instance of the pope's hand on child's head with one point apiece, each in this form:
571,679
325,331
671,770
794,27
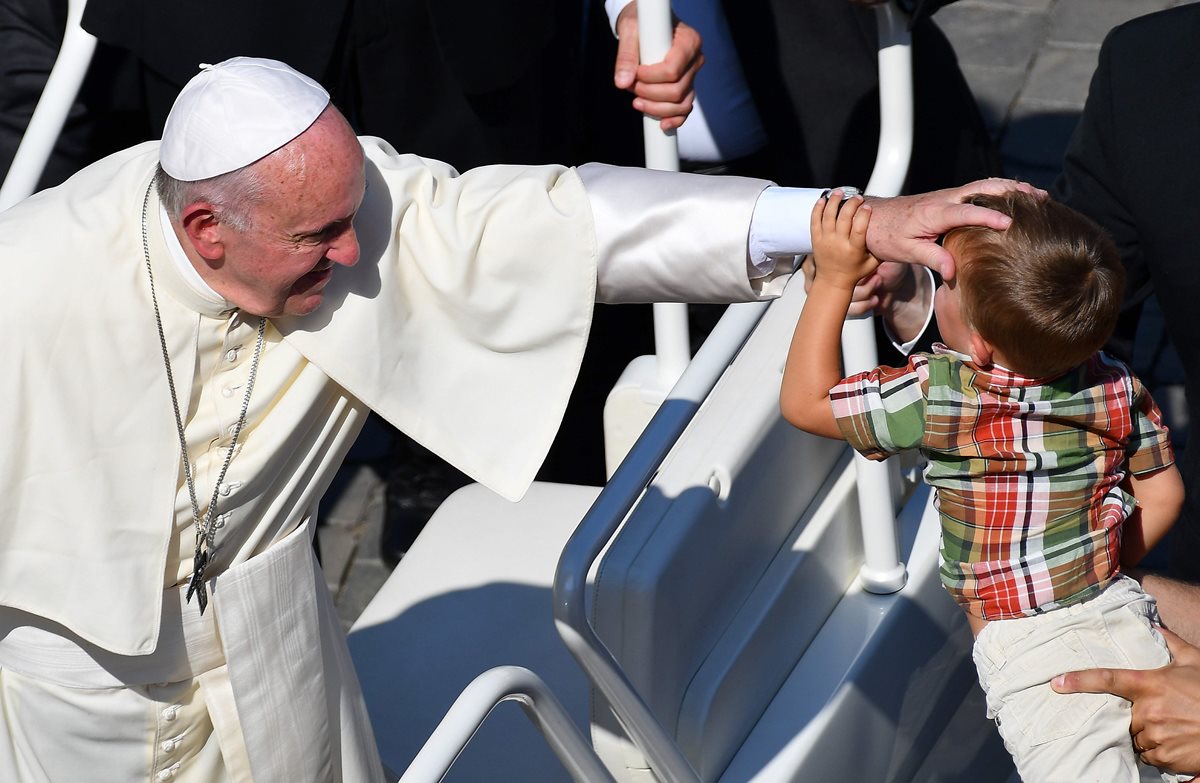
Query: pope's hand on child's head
906,228
839,236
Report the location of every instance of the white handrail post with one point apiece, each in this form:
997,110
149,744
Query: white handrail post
895,103
654,41
601,522
671,343
882,571
645,383
52,108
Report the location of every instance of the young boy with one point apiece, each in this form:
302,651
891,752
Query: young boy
1051,464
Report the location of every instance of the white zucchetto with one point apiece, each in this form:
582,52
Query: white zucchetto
235,112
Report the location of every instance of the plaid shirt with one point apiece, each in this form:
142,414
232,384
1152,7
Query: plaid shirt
1026,470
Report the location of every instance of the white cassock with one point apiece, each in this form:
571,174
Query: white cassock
463,324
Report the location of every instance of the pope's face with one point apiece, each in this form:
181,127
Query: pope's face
300,230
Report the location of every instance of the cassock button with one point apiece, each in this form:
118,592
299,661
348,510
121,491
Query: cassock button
169,713
232,354
226,392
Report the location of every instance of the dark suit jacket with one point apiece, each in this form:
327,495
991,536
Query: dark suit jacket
465,81
473,82
105,116
812,69
170,40
1132,167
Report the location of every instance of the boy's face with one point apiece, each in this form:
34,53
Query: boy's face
956,334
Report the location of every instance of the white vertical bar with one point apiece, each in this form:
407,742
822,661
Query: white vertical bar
654,41
895,103
51,112
672,346
882,571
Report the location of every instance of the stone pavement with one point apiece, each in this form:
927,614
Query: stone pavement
1029,63
352,521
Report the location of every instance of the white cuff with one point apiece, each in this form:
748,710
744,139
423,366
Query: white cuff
906,348
779,228
614,8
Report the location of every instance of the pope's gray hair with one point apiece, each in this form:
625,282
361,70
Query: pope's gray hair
232,195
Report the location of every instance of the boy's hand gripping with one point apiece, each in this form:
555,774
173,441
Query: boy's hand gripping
813,368
839,238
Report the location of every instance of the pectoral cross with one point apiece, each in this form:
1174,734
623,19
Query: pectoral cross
196,584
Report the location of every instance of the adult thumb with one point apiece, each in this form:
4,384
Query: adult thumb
1118,682
628,58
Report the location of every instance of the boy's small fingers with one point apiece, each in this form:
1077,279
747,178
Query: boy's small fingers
814,220
862,218
846,212
832,204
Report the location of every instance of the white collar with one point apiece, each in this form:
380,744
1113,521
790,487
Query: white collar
209,301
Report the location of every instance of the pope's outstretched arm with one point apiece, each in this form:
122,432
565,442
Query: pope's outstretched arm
653,226
472,300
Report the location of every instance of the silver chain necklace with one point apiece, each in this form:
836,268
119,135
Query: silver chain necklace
206,530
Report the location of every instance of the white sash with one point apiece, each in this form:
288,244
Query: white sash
293,681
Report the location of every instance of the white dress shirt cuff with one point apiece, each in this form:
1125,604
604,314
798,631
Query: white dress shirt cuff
779,229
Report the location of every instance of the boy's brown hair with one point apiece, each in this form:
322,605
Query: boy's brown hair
1046,292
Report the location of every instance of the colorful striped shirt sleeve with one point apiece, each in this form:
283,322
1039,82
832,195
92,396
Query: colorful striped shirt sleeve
1149,447
882,412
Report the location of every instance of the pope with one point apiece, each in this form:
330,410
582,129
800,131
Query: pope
195,331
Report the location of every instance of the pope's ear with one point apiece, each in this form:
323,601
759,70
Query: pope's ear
204,230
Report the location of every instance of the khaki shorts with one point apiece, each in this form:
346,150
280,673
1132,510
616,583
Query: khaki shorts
1075,737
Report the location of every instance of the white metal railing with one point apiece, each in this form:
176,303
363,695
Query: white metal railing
489,689
645,382
605,516
51,112
672,349
476,702
881,572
